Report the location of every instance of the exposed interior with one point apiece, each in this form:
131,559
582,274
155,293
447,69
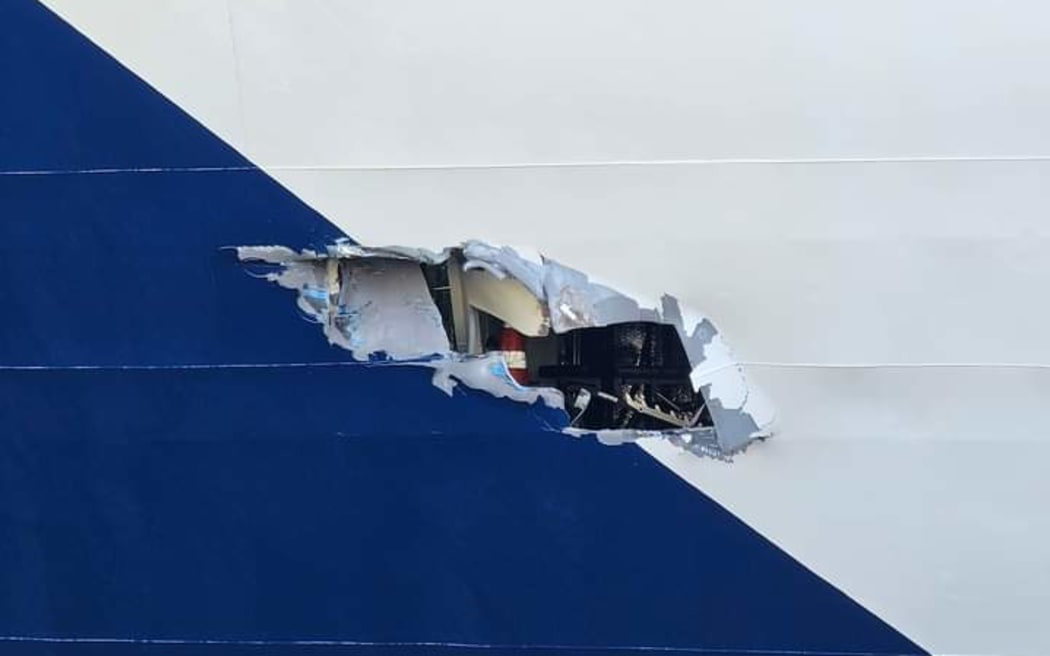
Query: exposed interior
631,375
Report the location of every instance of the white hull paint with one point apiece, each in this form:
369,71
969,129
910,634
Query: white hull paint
856,193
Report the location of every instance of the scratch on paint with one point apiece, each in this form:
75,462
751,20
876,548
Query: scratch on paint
320,642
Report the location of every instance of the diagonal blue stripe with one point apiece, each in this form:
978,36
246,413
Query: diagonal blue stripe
144,492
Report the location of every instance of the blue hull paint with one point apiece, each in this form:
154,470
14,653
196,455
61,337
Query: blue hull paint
339,503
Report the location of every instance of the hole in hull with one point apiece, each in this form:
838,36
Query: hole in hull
630,375
526,329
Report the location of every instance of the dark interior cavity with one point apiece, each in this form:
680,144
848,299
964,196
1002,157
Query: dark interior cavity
631,375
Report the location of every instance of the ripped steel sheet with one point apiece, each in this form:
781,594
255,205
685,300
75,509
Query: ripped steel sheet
374,302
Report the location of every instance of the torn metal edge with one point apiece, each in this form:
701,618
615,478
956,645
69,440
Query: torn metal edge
740,412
